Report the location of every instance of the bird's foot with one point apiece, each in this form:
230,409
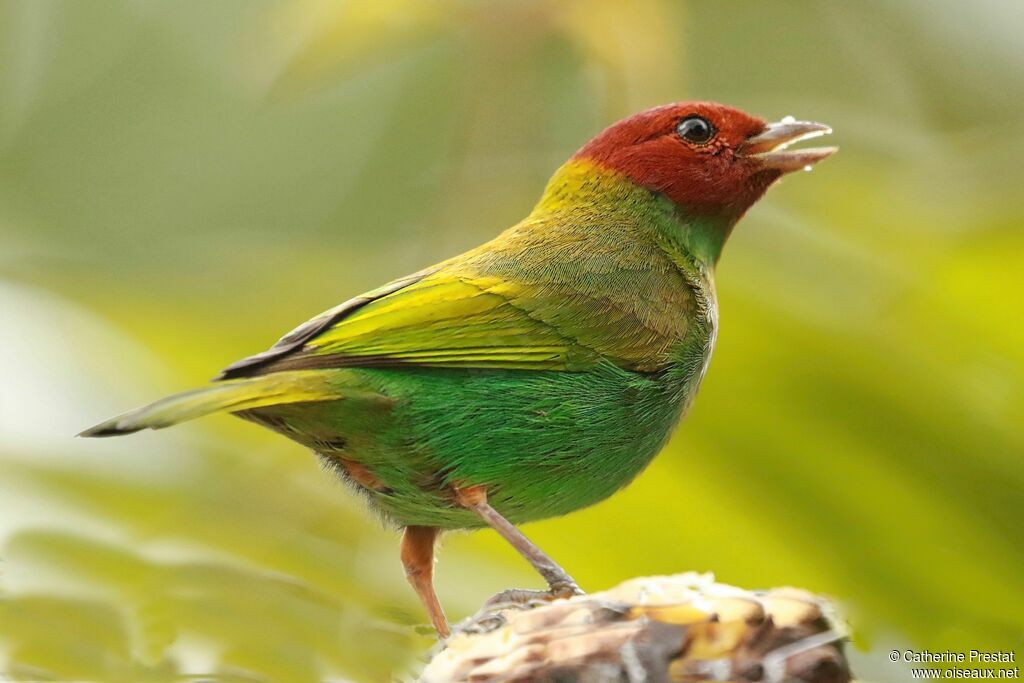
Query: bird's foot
522,598
565,589
518,598
492,614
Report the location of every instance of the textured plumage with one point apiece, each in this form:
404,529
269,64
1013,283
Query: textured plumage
546,367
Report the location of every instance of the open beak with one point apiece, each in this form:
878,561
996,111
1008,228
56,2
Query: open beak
769,147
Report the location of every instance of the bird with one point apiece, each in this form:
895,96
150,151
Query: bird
538,373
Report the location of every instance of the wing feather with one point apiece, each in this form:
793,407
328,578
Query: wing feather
442,321
294,340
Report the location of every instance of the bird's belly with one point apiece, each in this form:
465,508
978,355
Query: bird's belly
543,443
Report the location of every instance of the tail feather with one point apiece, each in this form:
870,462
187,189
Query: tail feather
227,396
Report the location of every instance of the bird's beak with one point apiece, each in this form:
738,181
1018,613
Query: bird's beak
769,146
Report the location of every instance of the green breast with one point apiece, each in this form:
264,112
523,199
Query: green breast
545,444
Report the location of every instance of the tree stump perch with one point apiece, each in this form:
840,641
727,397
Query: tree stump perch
684,627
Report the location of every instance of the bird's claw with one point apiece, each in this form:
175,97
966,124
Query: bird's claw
567,589
522,598
492,614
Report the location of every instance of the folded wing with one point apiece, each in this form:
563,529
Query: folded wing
439,320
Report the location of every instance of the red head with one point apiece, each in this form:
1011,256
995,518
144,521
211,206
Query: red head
709,159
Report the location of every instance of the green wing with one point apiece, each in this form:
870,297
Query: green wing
442,320
294,340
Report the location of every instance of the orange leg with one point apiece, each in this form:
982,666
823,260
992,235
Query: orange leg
418,559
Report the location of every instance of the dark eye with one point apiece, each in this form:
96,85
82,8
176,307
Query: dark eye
695,129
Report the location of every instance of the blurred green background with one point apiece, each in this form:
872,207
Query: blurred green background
182,182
